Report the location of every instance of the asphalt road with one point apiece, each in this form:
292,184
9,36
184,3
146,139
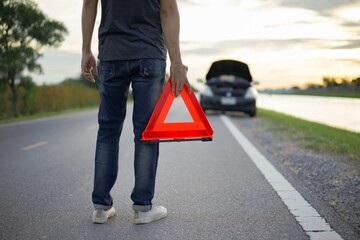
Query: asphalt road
212,190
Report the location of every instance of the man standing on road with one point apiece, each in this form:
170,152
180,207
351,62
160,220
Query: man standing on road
134,37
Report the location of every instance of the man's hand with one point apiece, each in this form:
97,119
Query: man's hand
88,66
179,78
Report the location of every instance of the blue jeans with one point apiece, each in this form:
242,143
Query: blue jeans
146,77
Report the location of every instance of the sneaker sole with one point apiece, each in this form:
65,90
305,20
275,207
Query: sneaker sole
149,220
101,221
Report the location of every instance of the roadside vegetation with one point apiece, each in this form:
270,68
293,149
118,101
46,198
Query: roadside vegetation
329,94
314,136
330,87
33,100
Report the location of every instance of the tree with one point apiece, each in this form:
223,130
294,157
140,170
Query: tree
356,83
330,82
24,30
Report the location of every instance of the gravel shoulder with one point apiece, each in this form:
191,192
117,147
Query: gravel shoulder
335,179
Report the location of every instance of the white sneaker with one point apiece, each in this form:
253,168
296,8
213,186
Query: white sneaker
101,216
156,213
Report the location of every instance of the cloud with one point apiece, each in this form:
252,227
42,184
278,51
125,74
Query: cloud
351,24
229,46
351,44
267,45
203,51
321,6
188,1
301,22
192,2
350,60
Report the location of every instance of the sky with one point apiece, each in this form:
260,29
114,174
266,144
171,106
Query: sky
285,42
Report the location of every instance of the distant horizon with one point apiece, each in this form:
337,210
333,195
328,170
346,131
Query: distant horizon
285,43
58,75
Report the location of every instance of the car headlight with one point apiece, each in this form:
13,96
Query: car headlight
207,91
251,93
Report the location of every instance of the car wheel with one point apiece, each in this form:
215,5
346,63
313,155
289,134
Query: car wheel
252,113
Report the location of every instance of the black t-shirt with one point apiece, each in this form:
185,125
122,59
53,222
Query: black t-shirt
130,29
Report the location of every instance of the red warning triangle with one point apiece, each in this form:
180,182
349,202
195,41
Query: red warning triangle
158,130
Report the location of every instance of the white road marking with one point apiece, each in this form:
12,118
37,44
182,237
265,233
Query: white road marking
36,145
310,220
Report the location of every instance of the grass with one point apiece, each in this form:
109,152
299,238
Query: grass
312,135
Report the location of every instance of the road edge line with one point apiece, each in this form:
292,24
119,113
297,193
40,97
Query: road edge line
309,219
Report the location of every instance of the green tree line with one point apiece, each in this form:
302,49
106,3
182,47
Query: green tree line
332,87
337,83
331,82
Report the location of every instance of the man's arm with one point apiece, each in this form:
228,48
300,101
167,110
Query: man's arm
88,62
170,22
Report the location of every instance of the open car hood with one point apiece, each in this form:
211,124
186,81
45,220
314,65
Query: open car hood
229,67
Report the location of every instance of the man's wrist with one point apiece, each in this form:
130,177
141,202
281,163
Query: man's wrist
86,48
176,65
175,60
86,51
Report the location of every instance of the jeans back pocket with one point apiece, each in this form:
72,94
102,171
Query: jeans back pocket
152,67
106,71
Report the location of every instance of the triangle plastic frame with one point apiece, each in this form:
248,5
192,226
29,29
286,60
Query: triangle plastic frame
159,131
